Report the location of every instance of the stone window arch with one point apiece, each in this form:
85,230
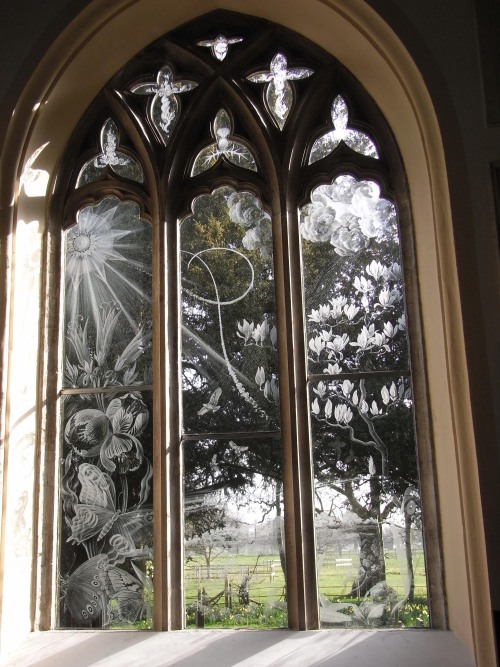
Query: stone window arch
220,166
69,76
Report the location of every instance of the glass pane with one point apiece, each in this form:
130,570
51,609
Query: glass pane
220,45
108,297
278,91
224,145
355,139
229,354
371,570
234,573
105,563
111,157
354,294
164,108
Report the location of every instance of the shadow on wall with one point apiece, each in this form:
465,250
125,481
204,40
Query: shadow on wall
242,648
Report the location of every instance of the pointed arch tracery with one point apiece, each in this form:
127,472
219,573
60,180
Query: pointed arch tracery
184,138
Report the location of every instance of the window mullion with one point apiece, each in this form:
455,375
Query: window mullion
168,485
299,508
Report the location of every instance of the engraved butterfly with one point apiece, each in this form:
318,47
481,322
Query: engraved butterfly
133,596
83,591
88,594
212,405
96,514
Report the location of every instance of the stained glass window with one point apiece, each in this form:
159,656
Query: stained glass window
234,221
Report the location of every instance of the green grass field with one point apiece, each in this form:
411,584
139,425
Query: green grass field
243,591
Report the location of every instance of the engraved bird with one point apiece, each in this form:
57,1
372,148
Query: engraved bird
212,405
239,449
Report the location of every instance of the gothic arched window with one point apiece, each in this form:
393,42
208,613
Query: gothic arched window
237,443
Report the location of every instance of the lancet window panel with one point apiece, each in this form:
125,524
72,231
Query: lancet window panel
237,376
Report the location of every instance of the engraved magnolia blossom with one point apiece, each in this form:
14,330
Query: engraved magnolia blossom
346,404
343,414
257,334
279,93
164,107
341,400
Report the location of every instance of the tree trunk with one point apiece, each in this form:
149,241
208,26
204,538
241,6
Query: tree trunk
279,531
208,559
371,559
409,558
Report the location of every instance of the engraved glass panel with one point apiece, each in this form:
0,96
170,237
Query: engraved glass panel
164,107
106,539
353,283
355,139
371,570
223,146
234,574
278,91
229,338
220,45
105,560
107,338
122,164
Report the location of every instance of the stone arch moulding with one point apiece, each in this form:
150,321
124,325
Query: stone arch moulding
88,52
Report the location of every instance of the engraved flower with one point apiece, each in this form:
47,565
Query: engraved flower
111,435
